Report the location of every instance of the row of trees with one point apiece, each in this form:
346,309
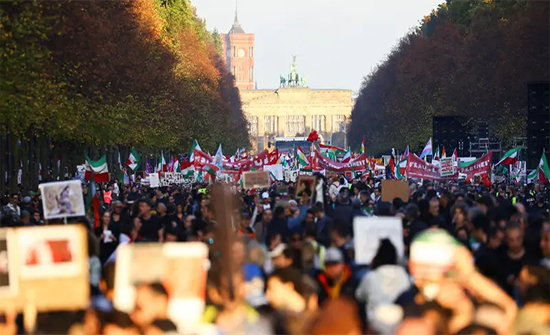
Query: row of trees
103,76
469,58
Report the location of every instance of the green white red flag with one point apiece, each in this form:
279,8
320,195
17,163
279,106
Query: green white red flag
98,169
510,157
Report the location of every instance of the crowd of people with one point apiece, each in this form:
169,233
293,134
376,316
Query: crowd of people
295,266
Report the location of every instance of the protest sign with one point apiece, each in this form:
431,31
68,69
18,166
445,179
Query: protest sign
392,189
305,184
369,231
154,180
291,176
276,170
8,274
62,199
256,179
446,167
49,266
171,178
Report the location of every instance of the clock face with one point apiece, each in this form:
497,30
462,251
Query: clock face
241,53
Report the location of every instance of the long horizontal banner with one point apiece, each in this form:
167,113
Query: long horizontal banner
257,162
361,163
418,168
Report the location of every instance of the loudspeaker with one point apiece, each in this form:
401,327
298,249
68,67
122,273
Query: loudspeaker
449,132
538,121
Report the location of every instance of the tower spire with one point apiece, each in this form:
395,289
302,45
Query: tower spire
236,12
236,28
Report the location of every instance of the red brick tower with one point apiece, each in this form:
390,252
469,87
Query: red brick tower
238,55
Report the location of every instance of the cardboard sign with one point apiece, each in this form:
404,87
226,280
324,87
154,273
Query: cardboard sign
171,178
181,267
62,199
154,180
392,189
256,179
8,275
369,231
446,167
48,268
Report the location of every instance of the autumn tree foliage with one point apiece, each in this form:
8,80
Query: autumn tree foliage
468,58
116,73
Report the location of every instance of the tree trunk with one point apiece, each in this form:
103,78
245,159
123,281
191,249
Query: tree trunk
3,157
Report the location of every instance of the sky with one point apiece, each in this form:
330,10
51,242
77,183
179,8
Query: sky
337,42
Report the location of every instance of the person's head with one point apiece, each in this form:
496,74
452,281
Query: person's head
171,199
495,238
318,210
282,256
267,215
534,284
25,217
412,212
386,254
106,218
363,196
117,206
310,216
285,290
151,304
514,238
188,222
339,233
161,209
244,223
14,199
434,207
144,207
481,228
334,263
36,216
377,192
459,212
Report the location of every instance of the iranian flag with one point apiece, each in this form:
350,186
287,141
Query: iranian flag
436,155
134,161
443,153
210,168
363,146
301,157
542,172
347,156
98,169
191,153
510,157
176,167
455,156
162,162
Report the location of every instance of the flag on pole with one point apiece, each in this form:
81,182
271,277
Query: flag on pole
301,158
162,162
176,167
92,201
218,158
427,149
191,153
98,169
210,168
544,169
347,156
121,170
443,153
510,157
436,155
455,156
363,146
134,160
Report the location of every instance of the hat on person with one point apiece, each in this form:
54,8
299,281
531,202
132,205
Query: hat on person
333,256
278,251
265,195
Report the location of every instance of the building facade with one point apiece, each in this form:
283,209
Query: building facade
238,55
295,112
293,109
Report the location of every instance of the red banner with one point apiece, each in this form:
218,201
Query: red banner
328,164
417,168
201,158
256,162
479,166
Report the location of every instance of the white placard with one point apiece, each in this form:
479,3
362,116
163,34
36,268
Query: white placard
154,180
276,169
62,199
369,231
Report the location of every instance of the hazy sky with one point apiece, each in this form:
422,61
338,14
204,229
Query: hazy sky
337,42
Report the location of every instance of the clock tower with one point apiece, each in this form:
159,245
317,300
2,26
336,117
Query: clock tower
238,54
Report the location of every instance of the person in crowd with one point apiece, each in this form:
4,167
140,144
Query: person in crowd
12,208
336,280
260,227
383,284
151,227
108,235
